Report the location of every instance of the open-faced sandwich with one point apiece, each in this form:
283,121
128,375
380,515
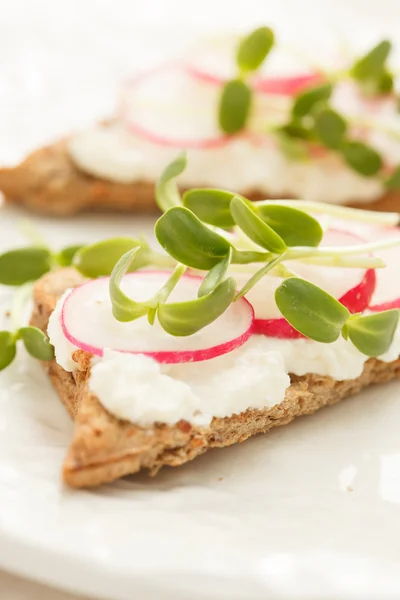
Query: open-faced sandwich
253,117
247,316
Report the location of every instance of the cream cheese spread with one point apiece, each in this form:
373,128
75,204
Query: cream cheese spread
246,162
112,153
256,375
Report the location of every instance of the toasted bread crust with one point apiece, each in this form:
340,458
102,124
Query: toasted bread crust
49,182
105,448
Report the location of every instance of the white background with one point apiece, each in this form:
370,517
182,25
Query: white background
61,62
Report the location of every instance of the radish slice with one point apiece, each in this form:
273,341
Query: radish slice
167,107
352,287
88,323
386,295
283,74
287,86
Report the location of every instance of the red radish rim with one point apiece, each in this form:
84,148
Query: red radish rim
286,86
166,356
278,86
280,328
154,138
276,328
385,305
352,300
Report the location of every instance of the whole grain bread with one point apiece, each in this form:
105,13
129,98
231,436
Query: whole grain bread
105,448
49,182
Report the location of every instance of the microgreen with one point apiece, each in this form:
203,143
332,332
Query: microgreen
100,258
179,318
330,127
295,227
311,310
124,308
320,317
373,334
184,237
371,68
210,205
236,98
35,341
291,147
234,106
166,191
24,264
393,181
255,228
254,49
362,158
8,349
312,119
66,256
186,318
216,275
306,101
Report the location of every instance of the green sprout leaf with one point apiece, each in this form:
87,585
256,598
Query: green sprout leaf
385,83
186,318
255,228
362,158
163,294
393,181
296,130
260,274
371,65
167,192
373,334
189,241
292,148
234,106
24,264
124,308
310,310
254,49
65,258
330,128
36,343
100,258
305,102
215,275
211,206
8,349
295,227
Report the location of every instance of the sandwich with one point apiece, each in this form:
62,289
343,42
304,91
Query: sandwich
248,315
252,116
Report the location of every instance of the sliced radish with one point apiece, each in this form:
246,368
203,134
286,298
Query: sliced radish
88,323
386,295
167,107
283,74
352,287
287,86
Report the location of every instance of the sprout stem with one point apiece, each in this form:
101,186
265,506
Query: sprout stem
20,299
367,262
296,253
343,212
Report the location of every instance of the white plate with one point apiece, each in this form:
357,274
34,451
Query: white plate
310,510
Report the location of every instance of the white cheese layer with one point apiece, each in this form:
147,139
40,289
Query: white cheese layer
247,162
243,165
256,375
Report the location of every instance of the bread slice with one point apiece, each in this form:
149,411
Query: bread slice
48,182
105,448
